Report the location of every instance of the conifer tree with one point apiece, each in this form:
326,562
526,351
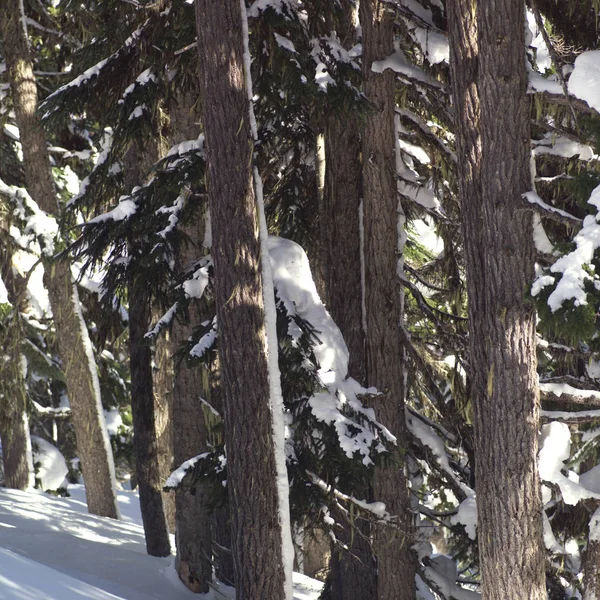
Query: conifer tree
385,358
74,345
255,511
489,70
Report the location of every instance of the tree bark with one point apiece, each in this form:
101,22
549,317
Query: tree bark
384,302
14,425
145,444
591,561
489,72
73,339
251,465
163,378
193,519
352,573
137,163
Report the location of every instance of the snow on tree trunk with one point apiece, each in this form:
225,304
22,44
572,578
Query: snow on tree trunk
73,340
488,71
384,303
276,395
254,478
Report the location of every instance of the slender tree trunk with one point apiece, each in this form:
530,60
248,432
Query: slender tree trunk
591,562
190,436
138,161
251,463
193,519
145,444
163,377
384,302
494,170
352,573
73,340
14,424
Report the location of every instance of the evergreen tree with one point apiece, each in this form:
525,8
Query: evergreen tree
76,351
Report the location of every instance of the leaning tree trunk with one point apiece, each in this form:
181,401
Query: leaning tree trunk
488,73
73,339
384,301
352,574
251,463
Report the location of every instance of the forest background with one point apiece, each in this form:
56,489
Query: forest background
307,270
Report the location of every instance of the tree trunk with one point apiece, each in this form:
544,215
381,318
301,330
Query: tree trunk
73,339
138,161
498,237
352,573
251,463
163,420
14,423
193,519
591,562
145,444
384,302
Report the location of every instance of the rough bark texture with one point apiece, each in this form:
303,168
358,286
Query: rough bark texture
498,238
163,417
82,385
352,574
14,427
193,520
251,468
591,561
137,163
384,302
222,544
145,444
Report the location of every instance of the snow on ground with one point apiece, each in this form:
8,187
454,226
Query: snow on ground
52,549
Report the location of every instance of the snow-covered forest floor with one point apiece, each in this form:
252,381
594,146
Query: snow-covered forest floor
52,549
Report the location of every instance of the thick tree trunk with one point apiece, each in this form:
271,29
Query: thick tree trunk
251,464
498,238
384,302
73,340
352,573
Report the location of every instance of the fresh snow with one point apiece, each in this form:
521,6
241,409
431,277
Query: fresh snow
52,549
467,516
572,265
434,45
397,62
555,449
585,78
52,466
125,209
